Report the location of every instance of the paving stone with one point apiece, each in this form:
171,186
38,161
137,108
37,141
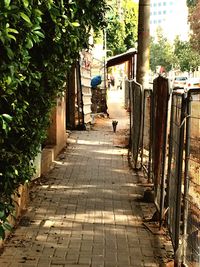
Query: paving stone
86,213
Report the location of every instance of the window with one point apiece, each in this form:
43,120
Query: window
164,12
164,3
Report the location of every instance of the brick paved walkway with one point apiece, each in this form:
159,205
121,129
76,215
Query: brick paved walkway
85,212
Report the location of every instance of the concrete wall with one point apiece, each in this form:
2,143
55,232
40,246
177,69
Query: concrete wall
57,137
21,204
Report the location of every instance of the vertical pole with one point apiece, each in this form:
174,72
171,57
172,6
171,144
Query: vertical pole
143,43
164,156
105,51
80,97
186,177
70,116
178,256
151,138
78,93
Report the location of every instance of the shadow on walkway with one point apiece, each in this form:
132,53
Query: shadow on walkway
86,211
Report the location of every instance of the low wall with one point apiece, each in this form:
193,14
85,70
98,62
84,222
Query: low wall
43,163
21,204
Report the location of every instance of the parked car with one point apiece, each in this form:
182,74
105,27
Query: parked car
179,82
192,83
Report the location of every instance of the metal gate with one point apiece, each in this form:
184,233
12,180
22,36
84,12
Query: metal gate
176,143
159,138
135,121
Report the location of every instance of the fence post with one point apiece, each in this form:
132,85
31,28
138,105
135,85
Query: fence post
178,246
186,177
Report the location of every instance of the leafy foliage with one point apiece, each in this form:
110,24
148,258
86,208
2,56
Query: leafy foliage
161,52
130,11
187,59
191,3
39,40
122,27
115,33
179,55
194,13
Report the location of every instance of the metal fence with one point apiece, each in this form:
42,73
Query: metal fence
171,163
135,122
147,134
183,183
191,229
159,134
175,161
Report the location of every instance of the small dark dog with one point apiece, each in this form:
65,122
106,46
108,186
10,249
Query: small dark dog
114,124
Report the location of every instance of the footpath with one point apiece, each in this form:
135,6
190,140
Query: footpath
88,212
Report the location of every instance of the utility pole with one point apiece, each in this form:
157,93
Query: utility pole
143,43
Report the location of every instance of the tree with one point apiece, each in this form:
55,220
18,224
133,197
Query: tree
186,58
194,14
191,3
115,34
130,21
161,52
122,26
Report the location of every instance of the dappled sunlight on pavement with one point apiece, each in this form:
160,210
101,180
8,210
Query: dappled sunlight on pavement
86,212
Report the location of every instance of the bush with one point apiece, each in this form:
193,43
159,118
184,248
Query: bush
39,40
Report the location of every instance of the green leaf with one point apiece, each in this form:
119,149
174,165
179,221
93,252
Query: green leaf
29,44
10,53
36,28
2,214
25,17
2,233
7,117
38,12
4,125
75,24
9,80
7,3
12,30
39,34
65,17
7,226
26,3
11,37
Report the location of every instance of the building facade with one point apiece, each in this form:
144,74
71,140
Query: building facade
171,16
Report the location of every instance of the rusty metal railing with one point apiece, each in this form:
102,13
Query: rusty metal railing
147,134
191,200
135,122
171,164
159,139
175,162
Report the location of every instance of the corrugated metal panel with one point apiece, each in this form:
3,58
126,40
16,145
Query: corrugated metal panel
86,88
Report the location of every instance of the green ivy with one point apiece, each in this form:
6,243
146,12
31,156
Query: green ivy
39,41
